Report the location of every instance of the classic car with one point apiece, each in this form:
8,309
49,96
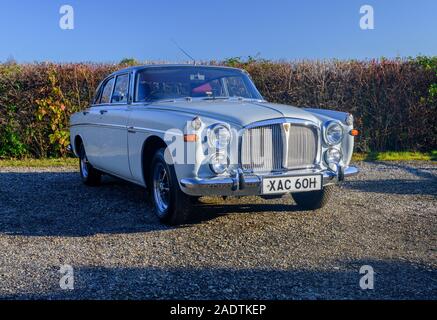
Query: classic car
187,131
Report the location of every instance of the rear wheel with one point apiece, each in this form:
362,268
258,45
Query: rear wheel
90,176
170,204
313,200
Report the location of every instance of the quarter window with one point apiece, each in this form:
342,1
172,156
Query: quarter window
121,89
97,96
107,90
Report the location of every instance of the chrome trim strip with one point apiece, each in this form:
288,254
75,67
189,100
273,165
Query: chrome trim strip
281,120
285,144
146,130
135,129
117,126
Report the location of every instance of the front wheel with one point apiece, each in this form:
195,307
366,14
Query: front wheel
313,200
170,204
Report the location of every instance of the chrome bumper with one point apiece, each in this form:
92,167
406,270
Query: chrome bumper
240,184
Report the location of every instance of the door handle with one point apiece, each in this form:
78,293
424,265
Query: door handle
131,130
103,111
85,113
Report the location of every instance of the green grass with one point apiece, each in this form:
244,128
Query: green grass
371,156
56,162
396,156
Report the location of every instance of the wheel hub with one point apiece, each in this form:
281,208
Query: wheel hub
84,167
161,189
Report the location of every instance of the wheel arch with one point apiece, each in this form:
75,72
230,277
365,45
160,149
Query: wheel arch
150,146
78,140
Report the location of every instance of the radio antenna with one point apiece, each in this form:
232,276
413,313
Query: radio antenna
183,51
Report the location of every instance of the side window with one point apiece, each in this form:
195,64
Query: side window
107,90
121,89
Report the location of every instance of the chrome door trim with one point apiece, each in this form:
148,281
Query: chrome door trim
129,128
106,125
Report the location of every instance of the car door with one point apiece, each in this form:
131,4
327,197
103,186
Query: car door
109,146
93,130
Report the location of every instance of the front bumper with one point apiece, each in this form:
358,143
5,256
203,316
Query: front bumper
243,185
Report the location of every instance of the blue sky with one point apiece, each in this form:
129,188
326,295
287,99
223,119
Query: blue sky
107,31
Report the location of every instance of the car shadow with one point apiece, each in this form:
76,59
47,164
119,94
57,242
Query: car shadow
394,186
58,204
425,184
205,210
392,279
424,173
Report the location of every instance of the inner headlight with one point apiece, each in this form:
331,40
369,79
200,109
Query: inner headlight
219,163
219,136
333,155
333,133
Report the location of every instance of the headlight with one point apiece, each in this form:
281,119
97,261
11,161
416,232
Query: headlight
333,155
219,136
219,163
333,133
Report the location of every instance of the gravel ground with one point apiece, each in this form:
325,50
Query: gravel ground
246,248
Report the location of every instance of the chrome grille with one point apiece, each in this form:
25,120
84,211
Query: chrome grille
263,147
302,147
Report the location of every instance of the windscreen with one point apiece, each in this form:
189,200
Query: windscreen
165,83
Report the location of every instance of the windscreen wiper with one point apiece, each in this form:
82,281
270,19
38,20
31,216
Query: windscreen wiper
215,98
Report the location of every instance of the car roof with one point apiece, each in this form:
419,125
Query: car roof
146,66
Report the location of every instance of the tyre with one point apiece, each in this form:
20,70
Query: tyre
313,200
195,199
170,204
90,176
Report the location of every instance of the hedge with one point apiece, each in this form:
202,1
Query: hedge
394,102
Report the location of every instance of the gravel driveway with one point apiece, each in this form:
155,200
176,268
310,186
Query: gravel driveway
246,248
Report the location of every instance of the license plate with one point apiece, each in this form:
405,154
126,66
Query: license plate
292,184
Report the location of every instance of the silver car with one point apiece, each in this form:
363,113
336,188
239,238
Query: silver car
185,131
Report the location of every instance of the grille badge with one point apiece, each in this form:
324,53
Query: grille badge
286,126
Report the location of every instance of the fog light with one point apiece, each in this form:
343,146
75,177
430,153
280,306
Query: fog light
219,163
333,155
